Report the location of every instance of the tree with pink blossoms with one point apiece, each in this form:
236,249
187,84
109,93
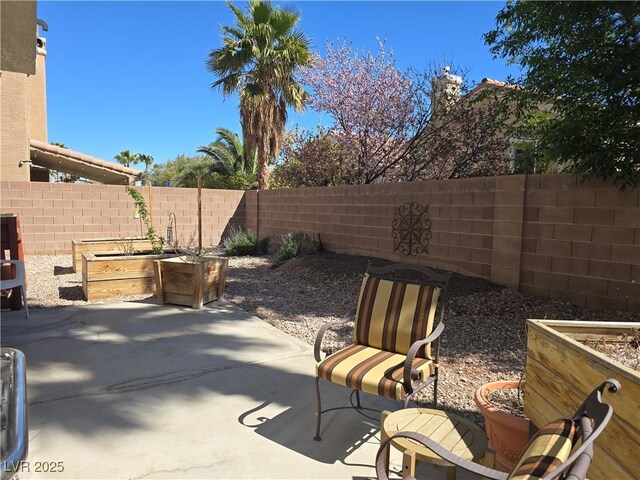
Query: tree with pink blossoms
315,159
386,118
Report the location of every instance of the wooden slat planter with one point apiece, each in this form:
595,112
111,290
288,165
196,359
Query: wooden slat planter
561,372
190,284
103,245
106,275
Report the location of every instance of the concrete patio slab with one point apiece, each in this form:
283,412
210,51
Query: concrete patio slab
138,390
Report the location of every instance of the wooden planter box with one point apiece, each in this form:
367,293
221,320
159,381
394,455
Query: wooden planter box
561,372
106,275
102,245
190,284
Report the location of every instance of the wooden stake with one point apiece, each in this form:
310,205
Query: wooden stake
199,214
150,206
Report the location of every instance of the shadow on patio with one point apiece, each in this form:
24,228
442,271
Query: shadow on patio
169,391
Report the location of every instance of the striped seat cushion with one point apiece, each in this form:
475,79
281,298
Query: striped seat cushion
370,370
548,449
391,315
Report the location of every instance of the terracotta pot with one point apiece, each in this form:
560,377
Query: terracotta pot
508,435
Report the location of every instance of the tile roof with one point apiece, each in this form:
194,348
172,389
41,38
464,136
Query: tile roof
69,161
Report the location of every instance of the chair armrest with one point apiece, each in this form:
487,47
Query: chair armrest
323,329
438,450
408,363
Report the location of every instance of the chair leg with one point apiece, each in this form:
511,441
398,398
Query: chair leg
358,404
24,299
317,438
489,458
451,473
435,391
383,438
409,464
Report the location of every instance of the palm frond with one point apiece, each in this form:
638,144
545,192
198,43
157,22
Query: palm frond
260,11
283,22
240,18
194,169
294,95
228,154
229,84
231,140
235,32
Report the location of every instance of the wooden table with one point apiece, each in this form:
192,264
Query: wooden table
454,433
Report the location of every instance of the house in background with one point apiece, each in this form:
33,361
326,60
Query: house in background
25,152
447,89
521,149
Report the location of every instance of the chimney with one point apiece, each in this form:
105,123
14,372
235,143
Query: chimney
445,89
37,90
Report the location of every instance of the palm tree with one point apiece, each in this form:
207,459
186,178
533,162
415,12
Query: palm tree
259,58
228,154
196,169
148,161
126,158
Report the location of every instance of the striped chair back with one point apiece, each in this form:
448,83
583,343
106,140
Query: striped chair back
391,314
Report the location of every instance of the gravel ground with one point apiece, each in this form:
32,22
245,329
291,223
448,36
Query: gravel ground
625,351
509,400
52,283
484,340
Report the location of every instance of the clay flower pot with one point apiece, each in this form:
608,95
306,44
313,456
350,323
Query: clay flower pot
508,434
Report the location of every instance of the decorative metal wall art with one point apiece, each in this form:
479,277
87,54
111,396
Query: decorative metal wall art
411,229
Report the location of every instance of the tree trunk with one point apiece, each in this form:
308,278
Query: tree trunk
263,167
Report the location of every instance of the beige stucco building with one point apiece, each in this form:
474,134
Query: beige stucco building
446,90
17,64
25,152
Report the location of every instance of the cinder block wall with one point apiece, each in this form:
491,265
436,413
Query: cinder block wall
52,214
357,219
548,235
581,242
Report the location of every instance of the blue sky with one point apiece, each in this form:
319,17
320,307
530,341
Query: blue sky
131,75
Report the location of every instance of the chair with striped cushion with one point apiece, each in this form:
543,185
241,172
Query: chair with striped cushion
560,449
395,350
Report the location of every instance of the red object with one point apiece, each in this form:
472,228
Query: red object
508,435
11,239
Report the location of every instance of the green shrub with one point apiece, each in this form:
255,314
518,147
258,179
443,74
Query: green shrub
294,245
245,242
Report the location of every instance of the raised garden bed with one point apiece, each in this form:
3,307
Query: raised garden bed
104,245
561,371
180,281
107,274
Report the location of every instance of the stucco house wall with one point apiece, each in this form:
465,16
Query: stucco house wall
17,61
14,131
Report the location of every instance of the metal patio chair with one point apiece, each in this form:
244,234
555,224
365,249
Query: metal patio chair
398,324
18,281
562,448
